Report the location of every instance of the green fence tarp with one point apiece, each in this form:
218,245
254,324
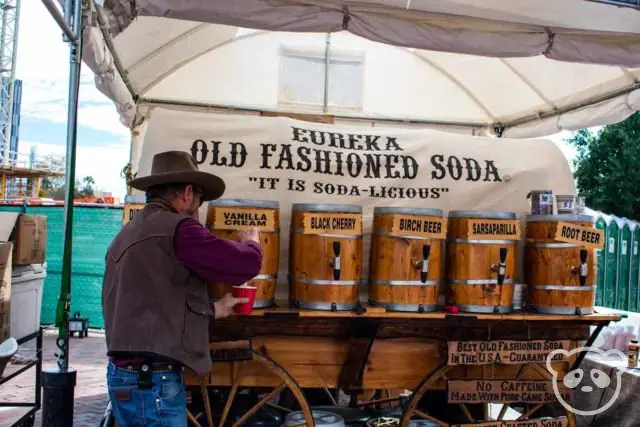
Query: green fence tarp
93,230
601,264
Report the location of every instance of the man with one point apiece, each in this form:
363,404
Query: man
155,302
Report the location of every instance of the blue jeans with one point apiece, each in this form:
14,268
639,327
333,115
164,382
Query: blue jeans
164,404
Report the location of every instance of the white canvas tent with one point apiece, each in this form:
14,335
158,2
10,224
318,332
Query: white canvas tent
515,67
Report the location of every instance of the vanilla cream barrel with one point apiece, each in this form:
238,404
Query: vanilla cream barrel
406,262
226,218
325,256
481,260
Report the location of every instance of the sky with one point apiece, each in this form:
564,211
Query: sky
103,142
43,66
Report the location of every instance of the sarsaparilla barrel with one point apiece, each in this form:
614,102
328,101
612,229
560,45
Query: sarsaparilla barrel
325,256
405,268
560,276
226,217
481,260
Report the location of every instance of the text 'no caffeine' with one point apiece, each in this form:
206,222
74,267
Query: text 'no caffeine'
583,236
324,223
419,226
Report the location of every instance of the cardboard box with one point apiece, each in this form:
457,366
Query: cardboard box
28,234
5,289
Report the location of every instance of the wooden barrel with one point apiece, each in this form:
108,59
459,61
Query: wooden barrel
226,217
133,203
553,268
406,258
325,256
481,260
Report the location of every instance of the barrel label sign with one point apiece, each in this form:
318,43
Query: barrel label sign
487,229
504,352
583,236
325,223
130,211
241,219
537,422
505,391
419,226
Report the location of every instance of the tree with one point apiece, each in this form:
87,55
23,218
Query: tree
607,167
54,188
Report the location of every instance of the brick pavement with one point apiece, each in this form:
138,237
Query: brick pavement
88,357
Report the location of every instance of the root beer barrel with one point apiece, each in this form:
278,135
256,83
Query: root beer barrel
406,258
325,256
481,260
559,263
226,217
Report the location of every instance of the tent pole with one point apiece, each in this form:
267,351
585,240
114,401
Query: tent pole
58,383
327,63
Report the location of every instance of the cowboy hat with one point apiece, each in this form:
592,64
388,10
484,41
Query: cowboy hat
179,167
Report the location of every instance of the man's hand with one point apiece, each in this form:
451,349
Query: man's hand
251,234
224,307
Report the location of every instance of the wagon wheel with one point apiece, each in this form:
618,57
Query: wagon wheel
286,383
413,412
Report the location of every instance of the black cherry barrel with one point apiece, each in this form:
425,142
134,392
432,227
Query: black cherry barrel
325,256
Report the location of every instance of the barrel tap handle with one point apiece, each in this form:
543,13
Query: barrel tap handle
424,264
500,268
336,261
583,267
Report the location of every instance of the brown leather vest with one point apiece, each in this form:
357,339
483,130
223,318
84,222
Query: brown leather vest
150,301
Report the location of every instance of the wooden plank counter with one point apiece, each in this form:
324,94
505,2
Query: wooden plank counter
379,349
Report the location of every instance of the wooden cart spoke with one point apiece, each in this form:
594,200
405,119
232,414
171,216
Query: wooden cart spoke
430,418
466,412
260,404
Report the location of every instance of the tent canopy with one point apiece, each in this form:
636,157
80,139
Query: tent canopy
525,68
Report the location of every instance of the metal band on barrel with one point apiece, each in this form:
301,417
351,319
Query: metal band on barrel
322,207
402,236
337,236
484,241
245,203
405,282
414,308
383,210
471,308
327,282
563,310
480,282
482,215
265,277
532,244
327,306
263,303
561,217
213,228
563,288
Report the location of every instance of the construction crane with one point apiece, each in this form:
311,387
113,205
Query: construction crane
10,10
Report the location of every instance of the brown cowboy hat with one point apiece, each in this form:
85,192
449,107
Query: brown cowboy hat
179,167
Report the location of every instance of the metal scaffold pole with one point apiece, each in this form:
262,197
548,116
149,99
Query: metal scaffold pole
58,384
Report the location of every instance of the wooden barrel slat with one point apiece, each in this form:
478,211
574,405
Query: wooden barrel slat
310,263
471,283
557,267
267,279
394,259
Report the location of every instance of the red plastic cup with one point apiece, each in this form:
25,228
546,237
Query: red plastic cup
244,292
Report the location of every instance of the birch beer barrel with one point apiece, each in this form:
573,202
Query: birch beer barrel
406,258
325,256
481,260
226,217
559,263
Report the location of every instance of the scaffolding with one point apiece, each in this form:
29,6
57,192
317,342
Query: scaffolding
10,11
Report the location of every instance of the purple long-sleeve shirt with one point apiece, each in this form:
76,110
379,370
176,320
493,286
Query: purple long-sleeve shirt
214,258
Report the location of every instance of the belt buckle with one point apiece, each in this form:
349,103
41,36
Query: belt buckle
145,376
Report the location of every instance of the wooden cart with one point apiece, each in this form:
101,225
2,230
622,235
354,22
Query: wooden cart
283,349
